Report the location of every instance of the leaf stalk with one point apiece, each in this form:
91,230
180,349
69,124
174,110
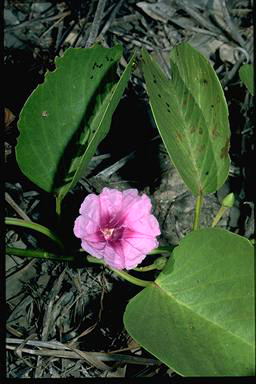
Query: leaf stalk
124,275
198,205
36,227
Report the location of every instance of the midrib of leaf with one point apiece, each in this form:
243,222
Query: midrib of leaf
195,103
91,140
165,89
104,105
183,305
180,102
77,163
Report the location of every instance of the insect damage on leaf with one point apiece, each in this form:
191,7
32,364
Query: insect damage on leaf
225,149
215,132
192,129
200,148
192,102
204,81
178,136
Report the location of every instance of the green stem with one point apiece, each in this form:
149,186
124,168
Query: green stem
58,206
150,267
219,215
36,227
124,275
199,201
132,279
36,253
159,264
164,248
31,253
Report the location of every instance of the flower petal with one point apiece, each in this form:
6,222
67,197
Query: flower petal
128,216
110,205
113,255
136,249
90,209
135,206
79,226
128,253
94,249
146,225
84,226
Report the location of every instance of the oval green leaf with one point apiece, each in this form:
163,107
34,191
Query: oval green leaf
66,117
246,76
191,115
199,315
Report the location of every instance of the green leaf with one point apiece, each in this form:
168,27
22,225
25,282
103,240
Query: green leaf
246,76
191,115
66,117
199,315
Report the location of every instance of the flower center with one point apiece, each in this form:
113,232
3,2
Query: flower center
112,234
107,232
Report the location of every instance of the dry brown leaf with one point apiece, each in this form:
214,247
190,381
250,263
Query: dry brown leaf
132,343
227,54
9,117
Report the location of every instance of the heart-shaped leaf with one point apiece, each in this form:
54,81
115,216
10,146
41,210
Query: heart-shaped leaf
199,315
246,76
191,114
67,116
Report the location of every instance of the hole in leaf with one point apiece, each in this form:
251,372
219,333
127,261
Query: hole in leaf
204,81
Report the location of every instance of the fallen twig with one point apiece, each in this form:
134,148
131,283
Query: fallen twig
96,23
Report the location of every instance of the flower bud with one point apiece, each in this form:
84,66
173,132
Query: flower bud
228,200
160,262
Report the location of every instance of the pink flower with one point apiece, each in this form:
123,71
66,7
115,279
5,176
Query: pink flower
118,227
